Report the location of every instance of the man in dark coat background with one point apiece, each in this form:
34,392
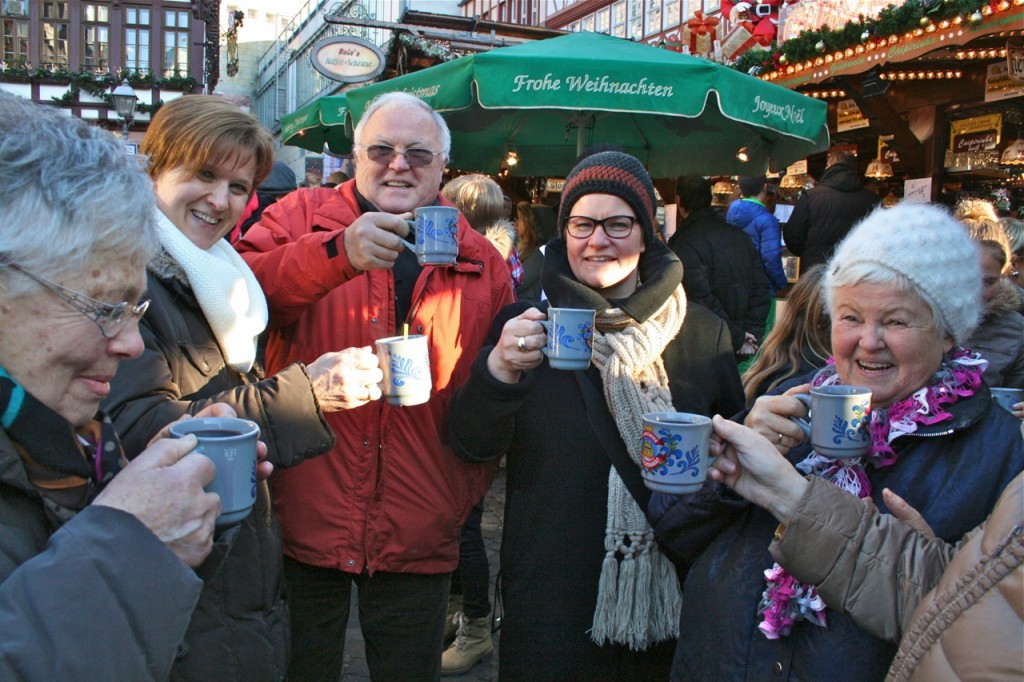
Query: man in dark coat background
825,213
721,268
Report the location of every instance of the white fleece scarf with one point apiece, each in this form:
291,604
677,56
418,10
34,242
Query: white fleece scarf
226,289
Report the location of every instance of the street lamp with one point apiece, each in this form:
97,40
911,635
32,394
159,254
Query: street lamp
124,102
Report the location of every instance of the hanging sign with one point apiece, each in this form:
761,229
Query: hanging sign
347,59
1015,62
975,134
849,116
998,83
554,184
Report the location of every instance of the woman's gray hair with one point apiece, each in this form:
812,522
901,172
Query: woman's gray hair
400,99
69,194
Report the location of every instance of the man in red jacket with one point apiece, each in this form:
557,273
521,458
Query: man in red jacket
383,510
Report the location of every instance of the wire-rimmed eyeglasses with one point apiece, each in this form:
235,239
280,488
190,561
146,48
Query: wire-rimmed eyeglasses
616,226
416,157
110,318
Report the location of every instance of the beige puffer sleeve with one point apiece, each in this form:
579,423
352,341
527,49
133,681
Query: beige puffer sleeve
864,563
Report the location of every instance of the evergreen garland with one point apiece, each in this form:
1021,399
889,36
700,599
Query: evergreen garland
893,20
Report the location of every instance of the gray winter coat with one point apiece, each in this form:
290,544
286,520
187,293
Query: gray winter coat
101,598
999,338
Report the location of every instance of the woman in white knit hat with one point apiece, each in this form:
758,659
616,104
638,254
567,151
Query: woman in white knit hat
903,292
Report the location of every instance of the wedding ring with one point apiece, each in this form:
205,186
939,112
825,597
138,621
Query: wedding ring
521,345
780,439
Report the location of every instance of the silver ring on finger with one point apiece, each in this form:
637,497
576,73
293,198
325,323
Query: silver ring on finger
521,345
780,439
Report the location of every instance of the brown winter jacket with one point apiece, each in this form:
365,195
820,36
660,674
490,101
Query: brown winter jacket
959,609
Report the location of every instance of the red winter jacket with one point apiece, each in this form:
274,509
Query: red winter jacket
391,496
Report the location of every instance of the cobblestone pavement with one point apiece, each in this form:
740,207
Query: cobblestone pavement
354,668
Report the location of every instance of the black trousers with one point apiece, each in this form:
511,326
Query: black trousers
473,576
401,616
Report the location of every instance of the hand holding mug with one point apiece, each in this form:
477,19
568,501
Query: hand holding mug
346,379
374,240
771,416
263,467
231,444
519,348
163,488
749,464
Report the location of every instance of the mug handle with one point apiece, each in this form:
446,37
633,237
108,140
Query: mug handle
412,231
547,330
803,422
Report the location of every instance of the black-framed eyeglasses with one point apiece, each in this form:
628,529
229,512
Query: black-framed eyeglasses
384,154
110,318
616,226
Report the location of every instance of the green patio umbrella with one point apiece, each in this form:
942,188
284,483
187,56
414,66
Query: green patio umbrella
320,121
547,100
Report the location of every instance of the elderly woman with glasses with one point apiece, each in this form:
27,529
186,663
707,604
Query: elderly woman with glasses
587,593
95,552
901,301
206,157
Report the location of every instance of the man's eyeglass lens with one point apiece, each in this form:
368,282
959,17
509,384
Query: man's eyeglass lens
415,157
616,227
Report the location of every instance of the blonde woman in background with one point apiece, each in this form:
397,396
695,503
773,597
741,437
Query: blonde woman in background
480,199
529,252
798,343
999,336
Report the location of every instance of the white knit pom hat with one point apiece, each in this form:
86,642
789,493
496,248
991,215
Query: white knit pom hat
928,247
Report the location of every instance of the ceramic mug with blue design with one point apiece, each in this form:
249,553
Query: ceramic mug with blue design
837,421
230,444
570,337
674,454
437,235
405,362
1006,398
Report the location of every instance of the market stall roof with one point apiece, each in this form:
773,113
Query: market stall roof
943,36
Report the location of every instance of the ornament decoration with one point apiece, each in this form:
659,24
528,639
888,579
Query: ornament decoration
869,33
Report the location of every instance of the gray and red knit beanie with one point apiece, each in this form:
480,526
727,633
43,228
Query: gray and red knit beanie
613,173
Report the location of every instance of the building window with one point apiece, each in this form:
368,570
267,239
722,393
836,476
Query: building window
652,19
587,23
136,38
603,20
619,19
15,31
672,16
95,37
175,43
53,46
14,8
636,19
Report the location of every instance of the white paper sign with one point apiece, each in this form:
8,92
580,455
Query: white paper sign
918,190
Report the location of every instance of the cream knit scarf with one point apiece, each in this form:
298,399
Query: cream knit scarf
226,289
638,598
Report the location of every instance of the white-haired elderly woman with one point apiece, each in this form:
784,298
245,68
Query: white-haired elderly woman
903,291
95,553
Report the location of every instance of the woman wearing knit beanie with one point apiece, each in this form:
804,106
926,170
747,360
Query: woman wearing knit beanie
903,291
587,593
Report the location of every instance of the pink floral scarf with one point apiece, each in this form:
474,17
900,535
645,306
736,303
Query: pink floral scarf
787,601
